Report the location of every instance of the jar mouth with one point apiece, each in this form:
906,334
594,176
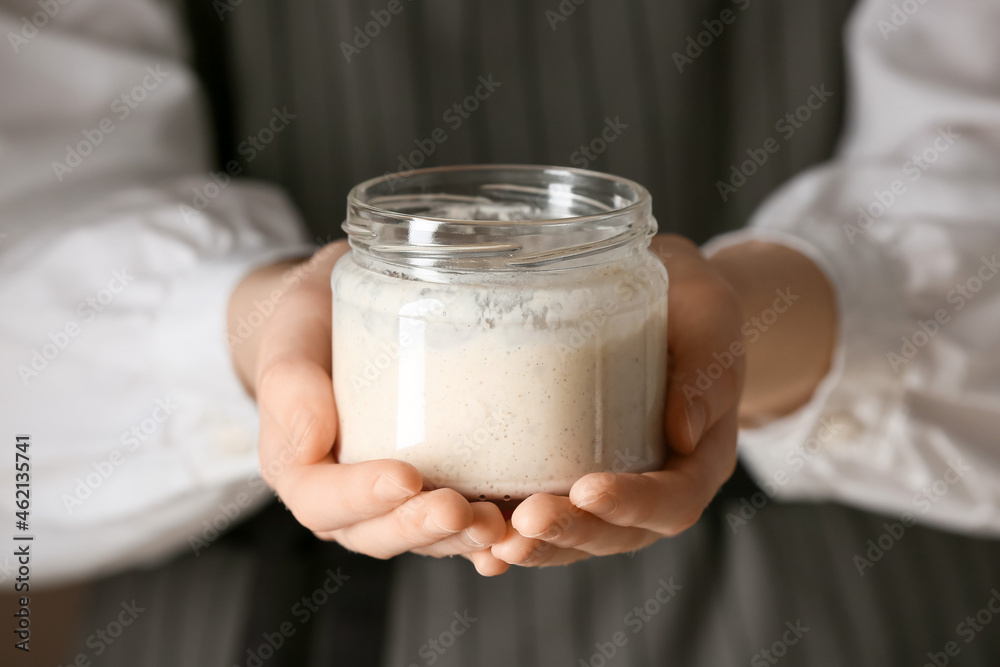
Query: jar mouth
497,217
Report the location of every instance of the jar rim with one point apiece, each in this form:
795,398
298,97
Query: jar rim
397,216
354,197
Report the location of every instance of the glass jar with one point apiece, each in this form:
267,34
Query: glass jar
501,328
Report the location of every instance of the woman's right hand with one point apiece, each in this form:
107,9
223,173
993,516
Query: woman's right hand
376,507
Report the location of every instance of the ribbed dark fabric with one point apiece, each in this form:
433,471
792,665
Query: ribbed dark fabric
609,60
742,583
265,593
791,563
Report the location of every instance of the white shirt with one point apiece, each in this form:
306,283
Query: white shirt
119,253
905,222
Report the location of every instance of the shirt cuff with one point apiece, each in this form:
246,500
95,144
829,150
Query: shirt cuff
192,351
803,453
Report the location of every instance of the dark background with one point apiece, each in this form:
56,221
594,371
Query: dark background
607,60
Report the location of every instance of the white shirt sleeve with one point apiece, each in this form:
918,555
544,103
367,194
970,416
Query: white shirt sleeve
118,252
905,222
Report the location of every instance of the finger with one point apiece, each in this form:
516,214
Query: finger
527,552
705,341
667,501
488,527
290,369
427,518
293,384
557,521
486,563
328,496
298,417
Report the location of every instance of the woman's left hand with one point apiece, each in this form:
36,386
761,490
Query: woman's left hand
609,513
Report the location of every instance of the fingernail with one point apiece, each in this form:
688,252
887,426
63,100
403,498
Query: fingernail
602,504
696,422
390,490
431,525
550,533
474,541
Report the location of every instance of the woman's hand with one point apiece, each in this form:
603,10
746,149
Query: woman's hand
609,513
377,507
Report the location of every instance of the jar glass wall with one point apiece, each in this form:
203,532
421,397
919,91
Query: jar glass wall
502,328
